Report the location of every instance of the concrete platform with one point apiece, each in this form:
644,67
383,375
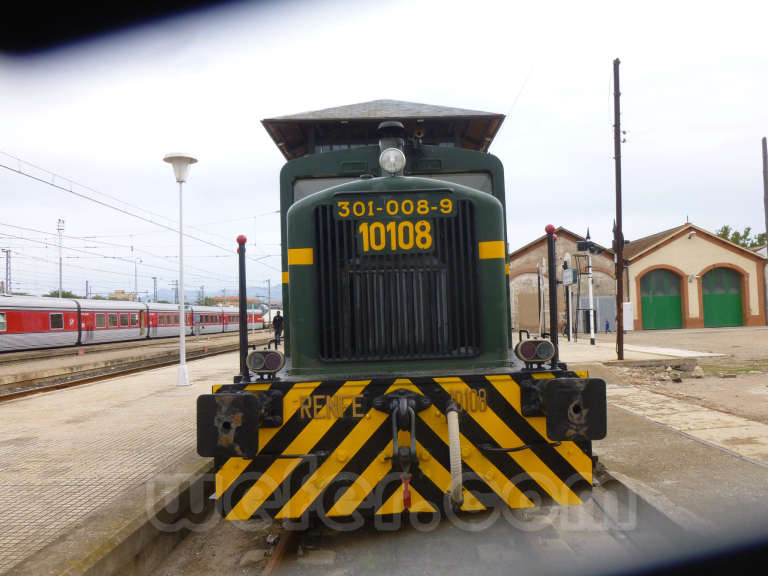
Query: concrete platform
583,351
707,469
70,454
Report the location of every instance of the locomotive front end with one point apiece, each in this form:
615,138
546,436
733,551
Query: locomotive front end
400,391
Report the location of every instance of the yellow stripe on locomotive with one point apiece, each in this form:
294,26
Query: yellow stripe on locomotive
334,453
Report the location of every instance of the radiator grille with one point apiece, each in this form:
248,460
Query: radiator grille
397,306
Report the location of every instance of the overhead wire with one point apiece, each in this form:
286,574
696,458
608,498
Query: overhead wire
143,251
102,203
207,275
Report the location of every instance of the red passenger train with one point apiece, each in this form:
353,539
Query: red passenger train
28,322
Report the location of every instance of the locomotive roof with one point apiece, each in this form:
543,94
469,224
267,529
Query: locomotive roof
300,134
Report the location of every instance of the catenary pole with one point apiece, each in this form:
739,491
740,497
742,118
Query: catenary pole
618,236
60,229
7,286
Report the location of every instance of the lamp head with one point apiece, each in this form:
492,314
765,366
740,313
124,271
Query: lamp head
180,163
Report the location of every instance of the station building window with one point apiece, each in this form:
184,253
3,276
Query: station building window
3,324
113,320
57,321
123,320
100,321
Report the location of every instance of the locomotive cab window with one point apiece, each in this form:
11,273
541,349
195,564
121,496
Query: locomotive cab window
482,181
100,321
3,324
113,320
57,321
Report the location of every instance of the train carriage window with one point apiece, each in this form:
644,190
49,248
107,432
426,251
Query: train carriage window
123,320
175,318
161,319
57,321
113,320
100,321
3,324
134,318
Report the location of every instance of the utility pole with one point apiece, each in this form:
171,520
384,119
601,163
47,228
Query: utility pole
60,229
86,289
7,252
765,192
591,303
567,267
538,297
175,285
618,234
154,290
269,299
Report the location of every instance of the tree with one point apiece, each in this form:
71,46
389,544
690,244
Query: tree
745,238
64,294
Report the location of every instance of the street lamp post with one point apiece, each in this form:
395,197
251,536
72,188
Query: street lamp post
180,163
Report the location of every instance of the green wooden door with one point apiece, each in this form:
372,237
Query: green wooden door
721,289
661,301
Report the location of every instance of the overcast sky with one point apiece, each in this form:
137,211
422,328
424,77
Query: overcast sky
105,112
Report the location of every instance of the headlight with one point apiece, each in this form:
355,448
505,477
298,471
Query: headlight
535,351
392,161
265,361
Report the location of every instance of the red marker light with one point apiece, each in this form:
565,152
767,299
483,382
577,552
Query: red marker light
549,229
242,239
406,478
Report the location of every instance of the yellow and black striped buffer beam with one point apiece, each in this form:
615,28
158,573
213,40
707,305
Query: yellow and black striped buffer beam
333,454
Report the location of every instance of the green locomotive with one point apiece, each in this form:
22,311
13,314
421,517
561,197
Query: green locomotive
399,389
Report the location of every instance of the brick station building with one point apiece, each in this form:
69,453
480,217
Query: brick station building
524,293
687,277
684,277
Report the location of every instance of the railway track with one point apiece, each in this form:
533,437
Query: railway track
23,388
615,526
64,351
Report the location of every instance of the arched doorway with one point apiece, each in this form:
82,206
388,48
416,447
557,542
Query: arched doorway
721,292
661,301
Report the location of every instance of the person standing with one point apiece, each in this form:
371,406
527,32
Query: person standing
277,326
